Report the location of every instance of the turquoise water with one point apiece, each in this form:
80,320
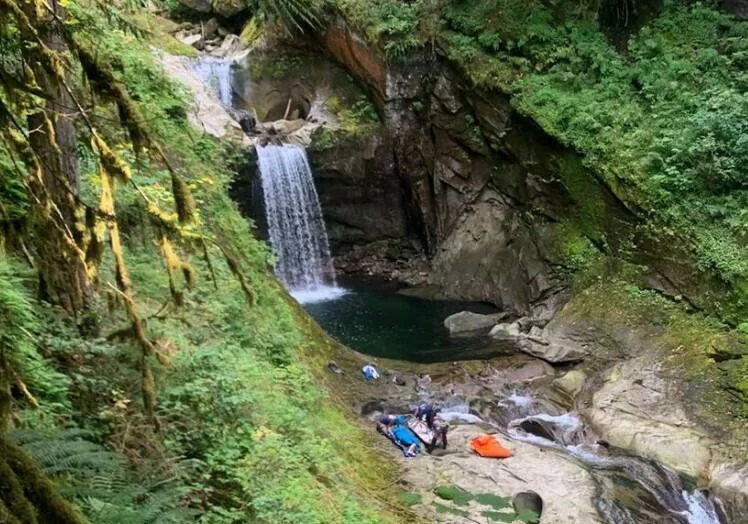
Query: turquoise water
373,319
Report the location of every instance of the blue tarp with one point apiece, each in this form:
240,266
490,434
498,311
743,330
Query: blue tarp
405,438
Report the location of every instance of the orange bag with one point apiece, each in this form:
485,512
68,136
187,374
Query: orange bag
488,446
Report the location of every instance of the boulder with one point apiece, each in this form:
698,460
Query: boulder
548,345
553,352
286,127
195,40
539,428
571,382
201,6
637,410
730,485
209,29
505,330
528,501
467,321
232,45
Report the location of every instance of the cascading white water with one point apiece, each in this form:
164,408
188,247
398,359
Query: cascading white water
295,225
216,73
569,435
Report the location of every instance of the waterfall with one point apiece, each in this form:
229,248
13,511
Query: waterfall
295,226
216,73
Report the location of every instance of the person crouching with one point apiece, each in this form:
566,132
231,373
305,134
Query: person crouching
440,428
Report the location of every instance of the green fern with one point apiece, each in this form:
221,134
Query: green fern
100,482
294,14
18,337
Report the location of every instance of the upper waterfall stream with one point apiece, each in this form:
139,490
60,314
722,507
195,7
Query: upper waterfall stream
216,73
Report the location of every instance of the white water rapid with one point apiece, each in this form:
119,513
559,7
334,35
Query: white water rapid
216,73
295,225
567,433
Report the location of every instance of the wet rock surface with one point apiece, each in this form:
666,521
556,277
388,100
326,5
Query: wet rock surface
590,424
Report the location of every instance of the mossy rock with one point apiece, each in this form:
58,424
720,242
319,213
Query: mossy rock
494,501
441,508
725,347
228,8
409,498
454,493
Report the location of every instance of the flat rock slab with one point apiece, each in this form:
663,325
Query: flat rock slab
635,409
567,490
467,321
554,352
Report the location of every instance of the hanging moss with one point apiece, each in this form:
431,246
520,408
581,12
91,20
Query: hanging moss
149,391
11,493
183,199
112,163
189,274
6,515
5,397
102,77
206,257
37,488
233,264
172,263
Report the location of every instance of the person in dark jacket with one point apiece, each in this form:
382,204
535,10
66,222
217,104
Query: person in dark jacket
425,412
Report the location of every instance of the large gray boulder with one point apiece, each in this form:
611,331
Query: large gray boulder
195,40
231,46
467,321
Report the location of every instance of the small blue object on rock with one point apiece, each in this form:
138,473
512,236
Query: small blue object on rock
370,372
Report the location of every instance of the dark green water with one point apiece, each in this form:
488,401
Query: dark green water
373,319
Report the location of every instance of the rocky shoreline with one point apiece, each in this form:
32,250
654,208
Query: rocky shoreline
618,392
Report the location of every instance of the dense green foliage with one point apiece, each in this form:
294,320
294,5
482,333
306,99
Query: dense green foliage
245,434
664,124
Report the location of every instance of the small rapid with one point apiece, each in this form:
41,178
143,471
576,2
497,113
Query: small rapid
633,490
628,489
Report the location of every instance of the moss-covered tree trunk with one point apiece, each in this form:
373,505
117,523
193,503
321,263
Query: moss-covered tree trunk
52,135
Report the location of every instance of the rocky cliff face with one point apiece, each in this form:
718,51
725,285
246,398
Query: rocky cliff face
483,188
502,210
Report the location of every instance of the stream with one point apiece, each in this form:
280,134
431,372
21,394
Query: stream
377,321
